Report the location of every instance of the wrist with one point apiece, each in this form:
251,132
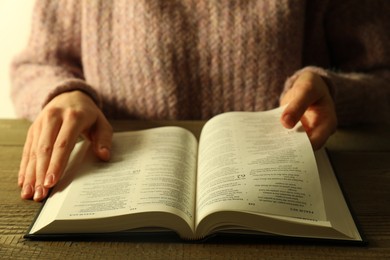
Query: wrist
323,73
72,86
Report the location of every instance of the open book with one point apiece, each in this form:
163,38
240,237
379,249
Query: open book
247,174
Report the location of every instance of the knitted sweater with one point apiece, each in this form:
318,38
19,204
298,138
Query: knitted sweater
192,59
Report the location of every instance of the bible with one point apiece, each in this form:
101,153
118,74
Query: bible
245,175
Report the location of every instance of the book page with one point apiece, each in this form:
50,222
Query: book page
249,162
58,195
337,209
150,171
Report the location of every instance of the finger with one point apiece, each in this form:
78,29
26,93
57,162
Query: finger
305,94
102,139
25,156
319,135
29,176
44,151
65,142
319,130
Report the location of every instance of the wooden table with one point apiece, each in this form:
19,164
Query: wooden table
361,158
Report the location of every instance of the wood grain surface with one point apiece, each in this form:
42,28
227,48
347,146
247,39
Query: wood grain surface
360,156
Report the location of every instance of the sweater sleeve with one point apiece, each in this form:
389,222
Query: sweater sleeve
358,38
51,62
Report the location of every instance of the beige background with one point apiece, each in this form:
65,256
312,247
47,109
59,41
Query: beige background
15,20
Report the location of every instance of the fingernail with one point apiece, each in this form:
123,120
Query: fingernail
49,181
289,120
27,191
105,153
38,193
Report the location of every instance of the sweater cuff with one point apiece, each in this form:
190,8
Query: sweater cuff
73,85
324,74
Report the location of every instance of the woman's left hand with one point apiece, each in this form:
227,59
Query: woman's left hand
309,100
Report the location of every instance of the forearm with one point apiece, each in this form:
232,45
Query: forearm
51,61
34,85
361,98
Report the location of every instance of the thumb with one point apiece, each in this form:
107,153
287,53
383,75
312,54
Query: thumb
304,93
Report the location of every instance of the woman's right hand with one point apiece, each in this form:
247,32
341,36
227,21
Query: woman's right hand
52,137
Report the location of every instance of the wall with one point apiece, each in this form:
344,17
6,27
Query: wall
15,17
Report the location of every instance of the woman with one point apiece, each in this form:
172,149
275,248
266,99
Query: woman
91,60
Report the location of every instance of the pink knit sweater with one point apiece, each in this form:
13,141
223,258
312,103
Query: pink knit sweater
192,59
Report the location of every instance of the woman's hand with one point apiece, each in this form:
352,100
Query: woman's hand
53,135
309,100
